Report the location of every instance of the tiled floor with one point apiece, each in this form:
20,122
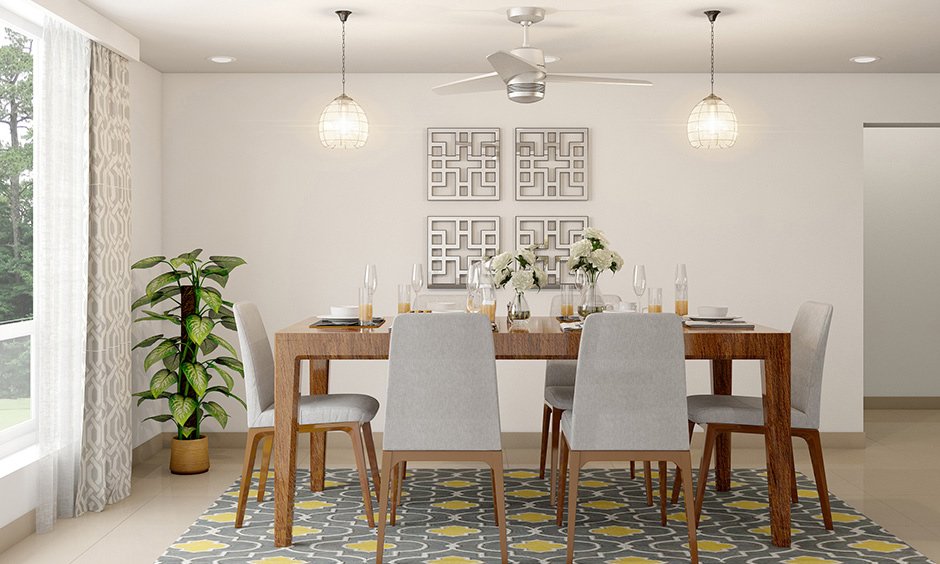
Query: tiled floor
893,481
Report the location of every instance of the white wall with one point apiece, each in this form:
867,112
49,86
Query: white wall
902,267
764,226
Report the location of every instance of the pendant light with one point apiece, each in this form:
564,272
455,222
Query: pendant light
712,123
343,123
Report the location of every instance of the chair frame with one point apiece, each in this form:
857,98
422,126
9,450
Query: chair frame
396,459
358,432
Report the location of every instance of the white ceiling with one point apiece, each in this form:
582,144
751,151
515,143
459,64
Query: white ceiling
591,36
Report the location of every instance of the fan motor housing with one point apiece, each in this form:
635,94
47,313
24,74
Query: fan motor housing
525,92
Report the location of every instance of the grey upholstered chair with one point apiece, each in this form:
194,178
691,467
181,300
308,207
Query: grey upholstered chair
559,391
629,404
351,413
742,414
442,403
423,302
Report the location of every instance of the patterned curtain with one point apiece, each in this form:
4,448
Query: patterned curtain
105,472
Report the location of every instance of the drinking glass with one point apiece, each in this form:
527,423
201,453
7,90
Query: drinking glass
568,299
488,294
639,284
473,287
370,280
417,278
656,300
682,290
580,280
365,307
404,298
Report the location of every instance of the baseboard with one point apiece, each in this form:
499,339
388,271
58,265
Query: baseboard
902,403
216,440
18,530
147,449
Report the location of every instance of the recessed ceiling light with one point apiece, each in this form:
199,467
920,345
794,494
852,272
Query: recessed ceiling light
222,59
865,59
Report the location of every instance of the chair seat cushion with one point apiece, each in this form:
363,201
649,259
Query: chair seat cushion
737,410
560,397
327,408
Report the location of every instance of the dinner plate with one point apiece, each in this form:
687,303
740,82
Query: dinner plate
335,318
705,318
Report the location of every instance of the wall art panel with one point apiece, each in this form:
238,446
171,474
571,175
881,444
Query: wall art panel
453,241
463,164
551,164
556,234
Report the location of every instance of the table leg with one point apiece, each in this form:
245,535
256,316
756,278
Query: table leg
721,385
286,391
319,384
778,443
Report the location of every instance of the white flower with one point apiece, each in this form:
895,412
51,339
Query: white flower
594,233
579,249
601,259
500,261
617,261
522,280
527,254
539,275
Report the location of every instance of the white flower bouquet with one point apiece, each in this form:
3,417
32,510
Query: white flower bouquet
591,255
518,270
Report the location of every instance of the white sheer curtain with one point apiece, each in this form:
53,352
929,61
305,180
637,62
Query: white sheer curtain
61,263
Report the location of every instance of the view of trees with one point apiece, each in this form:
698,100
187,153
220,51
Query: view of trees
16,207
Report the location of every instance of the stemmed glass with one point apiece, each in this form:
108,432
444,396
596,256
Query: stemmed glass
473,287
682,290
639,284
417,281
370,280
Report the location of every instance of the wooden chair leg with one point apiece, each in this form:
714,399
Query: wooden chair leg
562,479
556,432
685,469
401,481
794,495
383,494
493,484
676,485
575,467
266,444
396,489
370,452
663,486
499,503
633,469
355,435
648,477
811,436
703,470
546,415
251,445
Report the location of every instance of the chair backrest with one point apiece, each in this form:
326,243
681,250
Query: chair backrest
630,392
422,302
808,339
442,392
256,358
555,309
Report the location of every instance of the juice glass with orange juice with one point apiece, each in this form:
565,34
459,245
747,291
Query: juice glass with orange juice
404,298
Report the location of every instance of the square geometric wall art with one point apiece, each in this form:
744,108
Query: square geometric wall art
557,235
463,164
453,241
551,164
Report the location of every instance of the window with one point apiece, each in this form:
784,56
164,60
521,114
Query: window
16,234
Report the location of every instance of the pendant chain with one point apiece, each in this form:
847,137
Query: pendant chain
713,58
344,60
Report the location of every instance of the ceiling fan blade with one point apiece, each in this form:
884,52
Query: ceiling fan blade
552,77
508,65
480,83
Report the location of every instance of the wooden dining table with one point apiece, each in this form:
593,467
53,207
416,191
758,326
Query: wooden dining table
542,340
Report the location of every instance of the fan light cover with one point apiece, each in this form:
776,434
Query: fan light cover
343,124
712,124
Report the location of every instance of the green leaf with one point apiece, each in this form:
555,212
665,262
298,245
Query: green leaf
148,341
225,376
161,281
181,407
232,363
161,351
148,262
192,255
226,262
208,346
197,376
198,328
187,431
180,260
211,296
162,380
229,323
220,277
164,293
143,300
216,410
154,316
222,390
161,418
220,341
172,362
144,396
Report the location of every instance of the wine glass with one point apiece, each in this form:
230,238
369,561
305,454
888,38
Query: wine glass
370,280
473,287
417,279
639,284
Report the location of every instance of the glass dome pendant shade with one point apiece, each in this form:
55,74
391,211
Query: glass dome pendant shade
712,123
343,123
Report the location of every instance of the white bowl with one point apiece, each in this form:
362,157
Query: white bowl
712,311
344,311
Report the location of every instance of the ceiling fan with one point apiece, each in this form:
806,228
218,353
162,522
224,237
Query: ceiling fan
521,71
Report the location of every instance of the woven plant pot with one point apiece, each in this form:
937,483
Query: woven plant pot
189,457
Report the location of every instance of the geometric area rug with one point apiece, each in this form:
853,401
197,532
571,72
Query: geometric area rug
447,518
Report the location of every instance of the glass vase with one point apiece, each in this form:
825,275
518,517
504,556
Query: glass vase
518,308
592,299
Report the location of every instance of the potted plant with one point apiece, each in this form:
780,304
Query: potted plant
184,381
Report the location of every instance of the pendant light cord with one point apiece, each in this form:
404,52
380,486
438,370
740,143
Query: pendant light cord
344,57
713,57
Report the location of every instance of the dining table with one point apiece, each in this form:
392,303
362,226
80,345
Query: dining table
541,338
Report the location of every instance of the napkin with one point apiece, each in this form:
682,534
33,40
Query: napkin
573,326
730,324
